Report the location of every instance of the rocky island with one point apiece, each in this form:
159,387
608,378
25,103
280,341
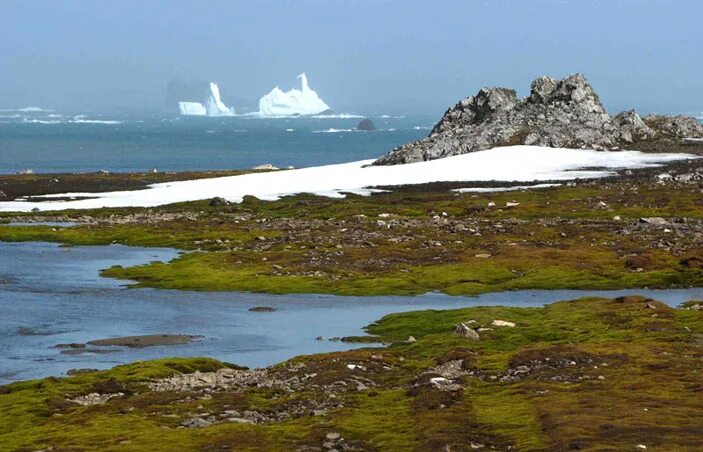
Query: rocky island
563,113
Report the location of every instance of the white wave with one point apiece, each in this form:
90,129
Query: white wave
94,121
391,117
499,189
338,116
514,163
41,121
422,128
290,130
333,130
303,101
31,109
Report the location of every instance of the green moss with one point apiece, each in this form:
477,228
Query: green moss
635,380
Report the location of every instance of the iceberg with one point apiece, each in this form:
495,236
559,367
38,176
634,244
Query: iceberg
303,101
192,109
213,105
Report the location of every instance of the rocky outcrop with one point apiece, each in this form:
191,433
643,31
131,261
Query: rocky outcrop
557,113
366,124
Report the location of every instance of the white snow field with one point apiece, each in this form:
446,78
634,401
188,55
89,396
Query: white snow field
514,163
212,106
303,101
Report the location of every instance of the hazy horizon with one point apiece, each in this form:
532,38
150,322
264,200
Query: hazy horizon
360,55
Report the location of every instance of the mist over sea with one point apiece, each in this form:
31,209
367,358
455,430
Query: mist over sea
51,141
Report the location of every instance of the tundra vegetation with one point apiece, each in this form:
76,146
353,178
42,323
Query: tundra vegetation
598,374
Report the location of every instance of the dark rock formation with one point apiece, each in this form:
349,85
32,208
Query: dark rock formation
365,124
557,113
218,202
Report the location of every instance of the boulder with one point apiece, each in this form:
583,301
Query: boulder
464,331
218,202
365,124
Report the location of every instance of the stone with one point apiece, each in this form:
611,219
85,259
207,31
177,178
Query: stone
218,202
467,332
656,221
557,113
366,125
503,323
262,309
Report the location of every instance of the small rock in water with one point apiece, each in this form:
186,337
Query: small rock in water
365,124
262,309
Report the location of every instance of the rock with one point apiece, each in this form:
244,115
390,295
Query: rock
557,113
262,309
684,142
94,399
3,196
464,331
218,202
195,422
656,221
333,436
482,255
411,339
365,124
503,323
74,372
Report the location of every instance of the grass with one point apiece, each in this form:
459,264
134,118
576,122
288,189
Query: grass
426,239
637,381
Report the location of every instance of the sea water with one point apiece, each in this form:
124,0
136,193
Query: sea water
46,141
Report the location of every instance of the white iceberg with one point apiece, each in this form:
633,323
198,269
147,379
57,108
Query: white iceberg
514,163
303,101
213,105
192,109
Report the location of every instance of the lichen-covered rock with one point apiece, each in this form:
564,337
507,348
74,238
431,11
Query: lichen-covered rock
557,113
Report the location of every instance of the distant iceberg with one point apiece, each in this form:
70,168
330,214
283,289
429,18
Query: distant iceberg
192,109
303,101
213,105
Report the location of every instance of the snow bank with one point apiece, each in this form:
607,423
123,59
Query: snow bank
515,163
498,189
303,101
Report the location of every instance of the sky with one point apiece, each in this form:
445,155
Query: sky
366,56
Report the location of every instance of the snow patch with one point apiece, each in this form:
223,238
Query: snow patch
514,163
497,189
303,101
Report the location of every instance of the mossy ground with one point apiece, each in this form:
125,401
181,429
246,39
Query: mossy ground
414,239
613,374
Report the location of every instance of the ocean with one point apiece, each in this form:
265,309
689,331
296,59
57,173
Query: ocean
53,142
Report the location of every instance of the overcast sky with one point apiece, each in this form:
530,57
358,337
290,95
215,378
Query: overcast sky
360,55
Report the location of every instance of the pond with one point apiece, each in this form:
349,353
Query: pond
52,295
